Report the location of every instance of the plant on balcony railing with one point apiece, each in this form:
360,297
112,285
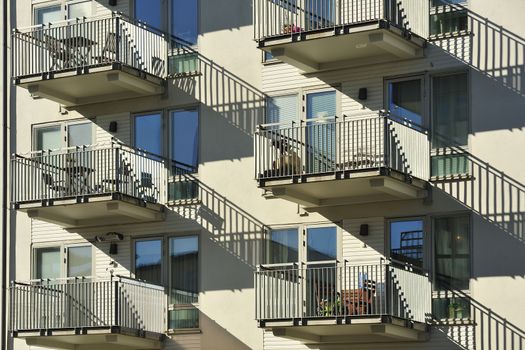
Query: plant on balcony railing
87,302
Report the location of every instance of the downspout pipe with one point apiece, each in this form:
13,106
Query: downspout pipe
3,189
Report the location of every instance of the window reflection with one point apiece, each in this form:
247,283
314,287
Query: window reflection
283,246
148,258
322,243
406,241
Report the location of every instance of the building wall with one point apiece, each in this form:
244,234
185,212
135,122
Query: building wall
233,214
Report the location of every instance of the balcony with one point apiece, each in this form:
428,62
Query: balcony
343,303
336,161
76,313
332,34
84,61
90,186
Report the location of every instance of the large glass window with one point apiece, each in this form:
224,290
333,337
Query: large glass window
184,284
448,22
79,261
405,100
452,252
48,14
48,138
184,20
185,138
406,241
48,263
283,246
282,109
322,244
148,133
148,260
150,12
79,9
449,110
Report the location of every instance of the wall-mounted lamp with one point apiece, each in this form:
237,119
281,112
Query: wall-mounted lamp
113,127
112,2
363,94
110,237
363,230
113,249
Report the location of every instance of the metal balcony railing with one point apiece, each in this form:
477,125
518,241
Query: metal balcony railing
331,144
89,171
91,42
75,303
288,17
341,290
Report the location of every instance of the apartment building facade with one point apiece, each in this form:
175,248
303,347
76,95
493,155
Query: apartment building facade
267,174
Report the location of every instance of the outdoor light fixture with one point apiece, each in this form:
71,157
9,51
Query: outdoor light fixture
113,249
113,126
112,2
363,230
110,237
363,94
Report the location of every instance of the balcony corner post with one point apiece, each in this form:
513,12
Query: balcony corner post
116,320
117,39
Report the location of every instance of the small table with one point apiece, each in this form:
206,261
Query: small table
78,179
79,48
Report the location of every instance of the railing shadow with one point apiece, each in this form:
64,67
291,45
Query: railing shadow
495,196
490,330
487,47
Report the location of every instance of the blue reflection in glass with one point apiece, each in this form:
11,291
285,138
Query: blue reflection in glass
184,14
185,138
322,243
406,241
283,246
149,11
148,258
148,133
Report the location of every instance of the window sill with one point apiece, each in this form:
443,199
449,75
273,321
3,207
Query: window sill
184,75
451,35
184,331
455,322
182,202
450,178
271,62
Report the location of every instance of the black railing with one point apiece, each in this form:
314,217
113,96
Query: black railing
287,17
85,302
331,144
86,171
341,290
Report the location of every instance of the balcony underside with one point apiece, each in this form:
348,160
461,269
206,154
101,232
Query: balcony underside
344,46
93,210
87,338
92,84
343,188
349,330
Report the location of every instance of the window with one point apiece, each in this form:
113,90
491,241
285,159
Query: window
181,276
48,263
50,137
450,307
448,22
148,260
406,241
149,132
184,20
450,165
405,99
282,109
63,261
183,63
450,110
149,12
283,246
447,2
62,11
321,244
185,138
452,252
184,284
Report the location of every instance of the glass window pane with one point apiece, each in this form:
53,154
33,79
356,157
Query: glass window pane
406,241
148,261
47,263
322,243
282,109
185,318
149,11
449,110
185,139
452,252
448,22
183,190
184,261
79,134
405,100
79,261
450,165
45,15
451,308
184,19
48,138
148,133
79,9
183,64
283,246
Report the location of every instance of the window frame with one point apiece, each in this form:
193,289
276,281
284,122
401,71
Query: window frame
267,243
63,246
425,105
63,125
166,271
426,261
64,10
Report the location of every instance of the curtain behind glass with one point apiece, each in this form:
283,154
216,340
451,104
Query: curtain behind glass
185,139
48,263
283,246
79,261
406,100
148,133
50,14
184,20
449,110
184,256
150,12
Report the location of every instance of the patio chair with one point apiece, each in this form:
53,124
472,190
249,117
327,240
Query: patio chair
109,50
59,54
52,185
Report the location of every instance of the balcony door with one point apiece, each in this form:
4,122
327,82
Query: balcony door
321,271
320,133
405,100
